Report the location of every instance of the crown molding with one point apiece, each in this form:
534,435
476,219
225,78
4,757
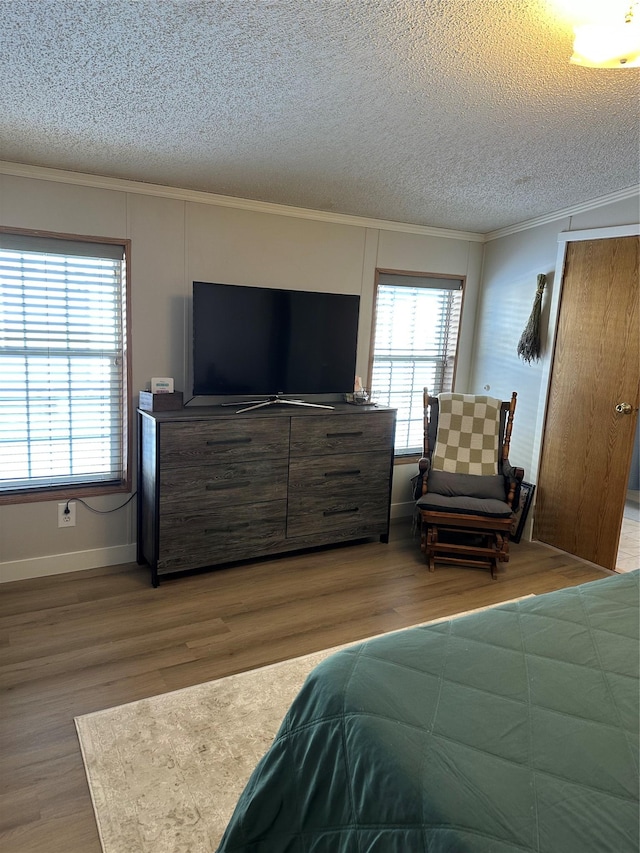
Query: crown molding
44,173
592,204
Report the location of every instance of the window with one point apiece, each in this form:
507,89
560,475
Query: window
414,347
63,366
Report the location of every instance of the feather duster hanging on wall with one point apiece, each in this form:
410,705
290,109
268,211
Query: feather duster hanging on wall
529,346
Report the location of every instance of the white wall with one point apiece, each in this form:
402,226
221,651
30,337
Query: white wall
509,277
176,238
511,267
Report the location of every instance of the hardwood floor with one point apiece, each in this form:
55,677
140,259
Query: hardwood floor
76,643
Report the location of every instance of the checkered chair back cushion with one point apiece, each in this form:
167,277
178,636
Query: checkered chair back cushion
468,437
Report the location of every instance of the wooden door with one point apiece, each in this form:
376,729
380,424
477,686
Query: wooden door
587,445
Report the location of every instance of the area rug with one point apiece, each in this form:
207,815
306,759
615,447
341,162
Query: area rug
165,773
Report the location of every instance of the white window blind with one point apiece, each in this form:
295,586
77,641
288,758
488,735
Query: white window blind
415,342
62,363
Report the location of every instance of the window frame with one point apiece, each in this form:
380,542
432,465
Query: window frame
32,494
411,456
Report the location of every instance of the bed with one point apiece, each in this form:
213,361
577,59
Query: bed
512,729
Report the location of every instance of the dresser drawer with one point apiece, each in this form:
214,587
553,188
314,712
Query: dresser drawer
317,436
228,484
193,443
328,477
349,516
203,539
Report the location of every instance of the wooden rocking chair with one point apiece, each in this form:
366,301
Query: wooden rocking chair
466,488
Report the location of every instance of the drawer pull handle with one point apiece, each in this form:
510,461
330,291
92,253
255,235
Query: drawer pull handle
340,511
344,434
231,484
212,442
353,473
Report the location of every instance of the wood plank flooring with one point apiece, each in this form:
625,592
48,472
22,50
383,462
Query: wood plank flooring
76,643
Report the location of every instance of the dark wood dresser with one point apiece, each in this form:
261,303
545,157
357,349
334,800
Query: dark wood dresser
215,487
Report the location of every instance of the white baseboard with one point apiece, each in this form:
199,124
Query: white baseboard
57,564
402,510
77,561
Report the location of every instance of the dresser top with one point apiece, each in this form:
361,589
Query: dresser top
194,413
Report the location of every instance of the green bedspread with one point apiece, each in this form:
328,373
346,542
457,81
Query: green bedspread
513,729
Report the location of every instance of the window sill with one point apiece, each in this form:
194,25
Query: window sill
408,459
24,496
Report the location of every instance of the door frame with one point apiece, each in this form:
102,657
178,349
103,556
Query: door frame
564,238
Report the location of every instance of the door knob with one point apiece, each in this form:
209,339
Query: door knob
624,408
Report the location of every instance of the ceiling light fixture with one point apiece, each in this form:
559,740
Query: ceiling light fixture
608,45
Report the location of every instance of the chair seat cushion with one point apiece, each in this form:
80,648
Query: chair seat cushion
487,507
466,485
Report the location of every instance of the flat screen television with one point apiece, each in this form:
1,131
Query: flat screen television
262,341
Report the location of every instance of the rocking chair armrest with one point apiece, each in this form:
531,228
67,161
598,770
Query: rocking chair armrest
511,473
513,478
424,464
419,482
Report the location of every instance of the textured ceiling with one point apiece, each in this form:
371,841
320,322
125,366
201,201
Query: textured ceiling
462,114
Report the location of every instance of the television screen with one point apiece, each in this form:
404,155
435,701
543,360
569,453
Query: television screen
263,341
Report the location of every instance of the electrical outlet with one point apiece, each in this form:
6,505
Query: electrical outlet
67,519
